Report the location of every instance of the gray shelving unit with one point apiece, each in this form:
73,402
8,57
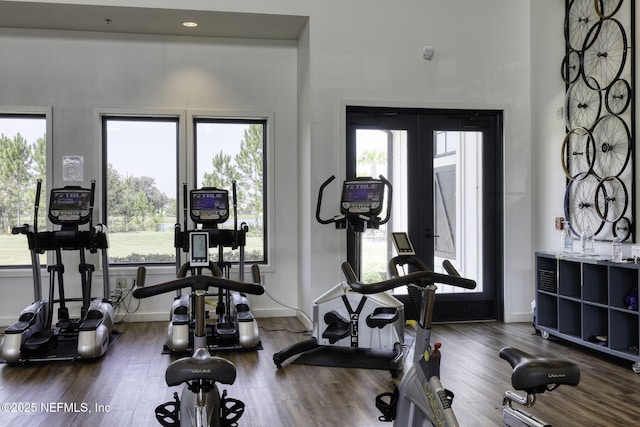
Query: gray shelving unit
582,300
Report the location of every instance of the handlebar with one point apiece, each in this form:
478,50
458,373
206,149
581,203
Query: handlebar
318,206
389,198
198,283
360,216
423,277
23,229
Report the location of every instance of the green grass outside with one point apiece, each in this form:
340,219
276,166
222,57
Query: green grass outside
15,251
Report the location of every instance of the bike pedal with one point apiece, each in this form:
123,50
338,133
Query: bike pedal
167,414
231,410
388,409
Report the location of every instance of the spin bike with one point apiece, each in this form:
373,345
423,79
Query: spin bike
34,337
347,320
421,399
200,403
236,327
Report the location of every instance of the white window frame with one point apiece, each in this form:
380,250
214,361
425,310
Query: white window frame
47,112
186,157
269,198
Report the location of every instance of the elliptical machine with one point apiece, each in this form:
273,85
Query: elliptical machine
236,327
32,338
200,403
346,319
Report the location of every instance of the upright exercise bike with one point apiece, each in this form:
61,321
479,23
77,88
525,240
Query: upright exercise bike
236,328
34,337
200,403
345,320
421,398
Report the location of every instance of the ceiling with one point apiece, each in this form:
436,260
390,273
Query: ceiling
148,21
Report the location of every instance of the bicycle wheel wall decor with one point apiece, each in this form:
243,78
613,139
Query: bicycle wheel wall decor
598,149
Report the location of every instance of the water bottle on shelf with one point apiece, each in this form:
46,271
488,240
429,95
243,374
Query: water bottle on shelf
616,250
586,241
567,238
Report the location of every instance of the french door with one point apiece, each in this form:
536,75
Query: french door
446,170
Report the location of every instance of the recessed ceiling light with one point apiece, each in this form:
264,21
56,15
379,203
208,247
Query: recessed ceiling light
189,24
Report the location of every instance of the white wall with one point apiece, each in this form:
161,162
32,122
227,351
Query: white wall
79,75
547,130
362,51
481,61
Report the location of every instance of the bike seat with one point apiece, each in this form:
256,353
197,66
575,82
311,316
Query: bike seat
200,366
539,374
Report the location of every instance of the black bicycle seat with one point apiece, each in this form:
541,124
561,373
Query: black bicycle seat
539,374
201,366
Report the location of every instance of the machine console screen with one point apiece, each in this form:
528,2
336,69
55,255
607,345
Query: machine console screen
403,244
362,196
70,206
209,206
199,254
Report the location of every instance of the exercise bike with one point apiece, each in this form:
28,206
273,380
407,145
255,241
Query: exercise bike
34,337
236,327
200,403
421,398
345,321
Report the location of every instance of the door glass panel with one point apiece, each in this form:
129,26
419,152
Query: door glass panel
457,178
446,170
382,152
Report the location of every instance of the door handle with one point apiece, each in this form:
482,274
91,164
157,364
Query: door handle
429,234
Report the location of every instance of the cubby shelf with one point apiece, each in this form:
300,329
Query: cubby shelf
585,300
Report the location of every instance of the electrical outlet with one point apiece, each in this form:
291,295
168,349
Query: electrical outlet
559,223
121,282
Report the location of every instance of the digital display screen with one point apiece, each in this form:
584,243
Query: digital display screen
403,244
362,192
362,196
209,206
70,206
199,255
202,201
70,200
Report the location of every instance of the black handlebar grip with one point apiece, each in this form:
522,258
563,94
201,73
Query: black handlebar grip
199,282
141,276
449,268
419,278
389,198
319,205
255,272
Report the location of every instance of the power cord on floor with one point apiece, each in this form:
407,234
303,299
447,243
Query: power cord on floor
306,331
123,300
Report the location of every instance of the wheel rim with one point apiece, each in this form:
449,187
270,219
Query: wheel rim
579,205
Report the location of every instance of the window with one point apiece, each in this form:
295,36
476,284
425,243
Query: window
381,152
140,171
446,143
145,165
228,150
23,161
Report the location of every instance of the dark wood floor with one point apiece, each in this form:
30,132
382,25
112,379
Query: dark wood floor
123,388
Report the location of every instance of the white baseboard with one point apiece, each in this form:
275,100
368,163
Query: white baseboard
259,313
164,316
518,317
